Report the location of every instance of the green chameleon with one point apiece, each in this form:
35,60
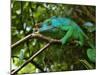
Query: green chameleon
73,31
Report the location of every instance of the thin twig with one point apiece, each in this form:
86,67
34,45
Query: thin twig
22,40
31,58
86,64
33,63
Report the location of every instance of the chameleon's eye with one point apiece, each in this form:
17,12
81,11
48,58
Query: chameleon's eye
40,26
49,23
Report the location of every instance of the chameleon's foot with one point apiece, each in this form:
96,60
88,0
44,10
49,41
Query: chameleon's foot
79,43
63,41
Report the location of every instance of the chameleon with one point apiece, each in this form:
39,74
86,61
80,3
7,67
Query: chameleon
72,29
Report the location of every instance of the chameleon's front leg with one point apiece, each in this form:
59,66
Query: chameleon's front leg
67,36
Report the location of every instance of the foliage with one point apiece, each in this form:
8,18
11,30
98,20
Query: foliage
91,53
25,15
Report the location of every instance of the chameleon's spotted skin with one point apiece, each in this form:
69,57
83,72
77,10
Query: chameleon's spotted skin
65,24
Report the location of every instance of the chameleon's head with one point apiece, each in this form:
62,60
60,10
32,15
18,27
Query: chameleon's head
45,27
48,24
53,17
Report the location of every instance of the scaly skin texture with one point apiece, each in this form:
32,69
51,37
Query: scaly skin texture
73,31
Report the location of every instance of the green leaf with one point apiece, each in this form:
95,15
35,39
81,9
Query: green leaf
18,62
21,55
91,53
29,68
34,42
26,5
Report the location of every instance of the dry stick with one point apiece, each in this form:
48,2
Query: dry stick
39,36
31,58
32,62
37,66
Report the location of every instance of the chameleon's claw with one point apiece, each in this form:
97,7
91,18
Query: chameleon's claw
79,43
63,41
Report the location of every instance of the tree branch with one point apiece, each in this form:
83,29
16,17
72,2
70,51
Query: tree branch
31,58
38,36
33,35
